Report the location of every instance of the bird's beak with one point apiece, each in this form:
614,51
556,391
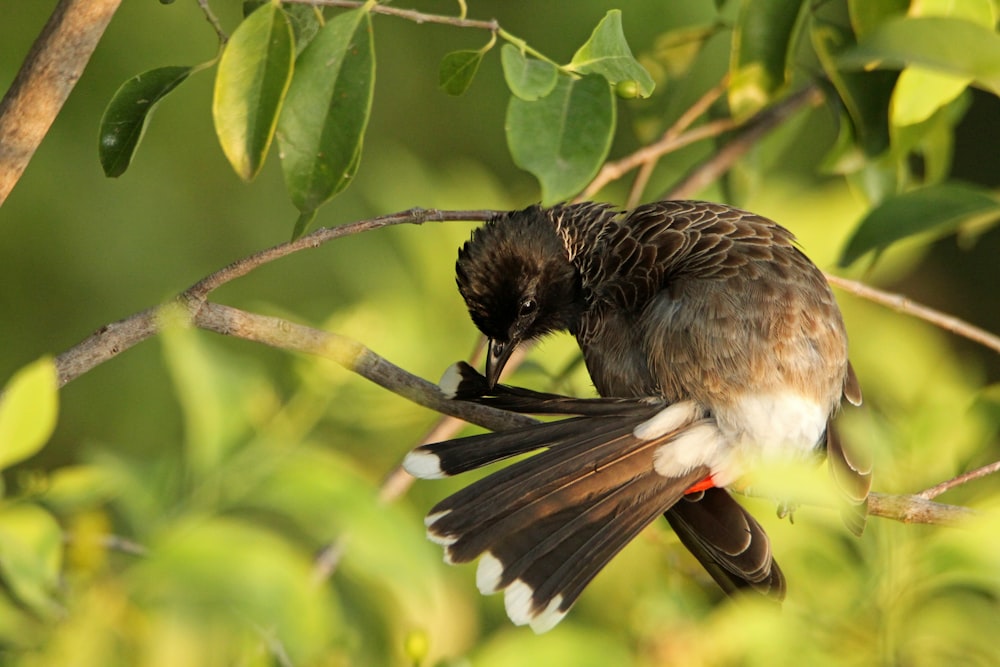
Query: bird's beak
496,358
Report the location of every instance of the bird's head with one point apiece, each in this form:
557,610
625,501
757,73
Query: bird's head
518,283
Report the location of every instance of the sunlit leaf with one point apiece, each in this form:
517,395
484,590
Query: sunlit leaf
527,78
951,45
125,119
31,555
941,208
28,408
921,91
232,576
214,393
565,646
457,71
762,39
253,76
607,53
563,137
323,123
867,15
72,488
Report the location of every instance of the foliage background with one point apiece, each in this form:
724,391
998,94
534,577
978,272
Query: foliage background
234,466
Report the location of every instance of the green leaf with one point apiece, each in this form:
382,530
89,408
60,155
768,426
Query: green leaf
457,70
563,137
78,487
231,575
940,208
933,138
570,645
217,395
919,92
607,53
125,119
759,66
865,95
28,409
867,15
528,78
329,102
31,555
305,24
951,45
250,85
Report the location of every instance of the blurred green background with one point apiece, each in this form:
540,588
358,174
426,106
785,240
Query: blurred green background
236,465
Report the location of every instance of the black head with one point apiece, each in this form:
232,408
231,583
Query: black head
517,282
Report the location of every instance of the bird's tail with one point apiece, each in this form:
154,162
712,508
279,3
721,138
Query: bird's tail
544,526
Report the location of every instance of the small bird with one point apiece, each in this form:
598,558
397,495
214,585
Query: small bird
718,345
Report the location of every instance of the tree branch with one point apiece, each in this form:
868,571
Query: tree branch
914,509
907,306
408,14
978,473
48,74
354,357
112,339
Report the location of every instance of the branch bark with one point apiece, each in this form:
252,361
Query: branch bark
49,73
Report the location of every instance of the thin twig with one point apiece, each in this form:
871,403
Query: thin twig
241,267
745,137
112,339
408,14
978,473
907,306
213,21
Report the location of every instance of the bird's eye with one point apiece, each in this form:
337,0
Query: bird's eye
528,306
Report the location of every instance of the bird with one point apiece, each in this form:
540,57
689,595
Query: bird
716,346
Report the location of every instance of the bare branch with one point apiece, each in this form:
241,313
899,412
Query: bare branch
111,339
48,74
914,509
353,356
242,267
978,473
905,305
408,14
213,20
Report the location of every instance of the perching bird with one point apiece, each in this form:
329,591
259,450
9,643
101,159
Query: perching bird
710,314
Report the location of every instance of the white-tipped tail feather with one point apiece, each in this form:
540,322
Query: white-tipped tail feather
450,381
488,574
423,465
518,603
